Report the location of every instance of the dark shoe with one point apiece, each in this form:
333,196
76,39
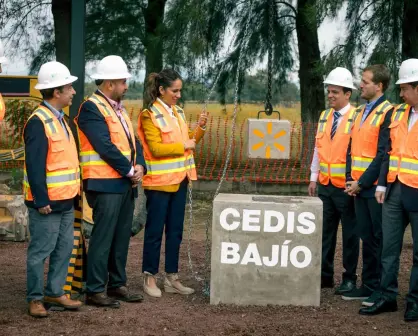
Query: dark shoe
361,293
372,299
63,301
411,312
345,287
122,293
381,306
37,309
101,300
327,283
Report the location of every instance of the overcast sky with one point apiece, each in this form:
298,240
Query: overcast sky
329,32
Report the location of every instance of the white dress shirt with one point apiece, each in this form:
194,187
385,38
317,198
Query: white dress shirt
315,159
412,120
169,110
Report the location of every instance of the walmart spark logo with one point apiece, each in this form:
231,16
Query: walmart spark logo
267,140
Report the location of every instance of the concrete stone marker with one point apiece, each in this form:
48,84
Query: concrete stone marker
268,138
266,250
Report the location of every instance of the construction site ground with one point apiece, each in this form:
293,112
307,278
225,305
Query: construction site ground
193,315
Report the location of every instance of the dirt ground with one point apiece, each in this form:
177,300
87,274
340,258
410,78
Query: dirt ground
178,315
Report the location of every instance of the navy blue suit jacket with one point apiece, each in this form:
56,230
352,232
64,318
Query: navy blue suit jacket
36,151
92,123
371,175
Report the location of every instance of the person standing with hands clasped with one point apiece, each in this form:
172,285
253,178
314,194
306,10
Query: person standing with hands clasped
332,138
365,153
112,165
398,191
168,151
51,181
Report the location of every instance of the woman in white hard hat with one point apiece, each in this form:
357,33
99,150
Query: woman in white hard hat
51,181
168,150
3,60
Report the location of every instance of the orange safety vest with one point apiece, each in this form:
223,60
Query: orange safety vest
332,153
62,166
2,108
92,165
364,139
167,170
403,160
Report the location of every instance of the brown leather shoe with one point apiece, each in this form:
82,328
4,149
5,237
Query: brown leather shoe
101,300
37,309
122,293
63,301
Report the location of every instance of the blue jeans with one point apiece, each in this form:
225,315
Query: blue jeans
51,236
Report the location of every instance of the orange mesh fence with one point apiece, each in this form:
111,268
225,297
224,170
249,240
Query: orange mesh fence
212,152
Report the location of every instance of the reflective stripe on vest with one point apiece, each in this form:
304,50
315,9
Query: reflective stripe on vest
180,112
379,113
400,111
393,163
106,111
170,165
59,179
49,122
91,158
159,117
409,166
361,164
323,120
336,169
351,119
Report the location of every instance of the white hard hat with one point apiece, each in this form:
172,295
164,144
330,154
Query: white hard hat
340,77
52,75
111,67
3,59
408,72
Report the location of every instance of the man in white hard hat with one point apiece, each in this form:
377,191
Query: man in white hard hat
112,165
328,165
398,191
3,60
51,181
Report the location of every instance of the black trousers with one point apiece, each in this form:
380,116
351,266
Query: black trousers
369,221
164,209
337,206
109,242
395,221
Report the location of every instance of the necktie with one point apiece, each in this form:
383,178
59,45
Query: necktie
337,115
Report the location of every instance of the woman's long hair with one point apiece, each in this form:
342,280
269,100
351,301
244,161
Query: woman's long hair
152,85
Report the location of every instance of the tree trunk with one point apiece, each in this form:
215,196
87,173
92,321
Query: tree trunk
310,75
154,17
61,11
410,29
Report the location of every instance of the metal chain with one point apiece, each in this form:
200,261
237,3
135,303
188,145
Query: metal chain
243,49
268,105
190,187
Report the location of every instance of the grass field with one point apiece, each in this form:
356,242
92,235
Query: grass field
245,111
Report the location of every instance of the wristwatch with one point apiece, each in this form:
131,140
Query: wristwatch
359,184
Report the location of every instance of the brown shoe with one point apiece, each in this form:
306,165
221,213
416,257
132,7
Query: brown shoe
101,300
122,293
37,309
63,301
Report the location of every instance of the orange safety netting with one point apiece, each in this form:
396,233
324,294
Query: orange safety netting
211,153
